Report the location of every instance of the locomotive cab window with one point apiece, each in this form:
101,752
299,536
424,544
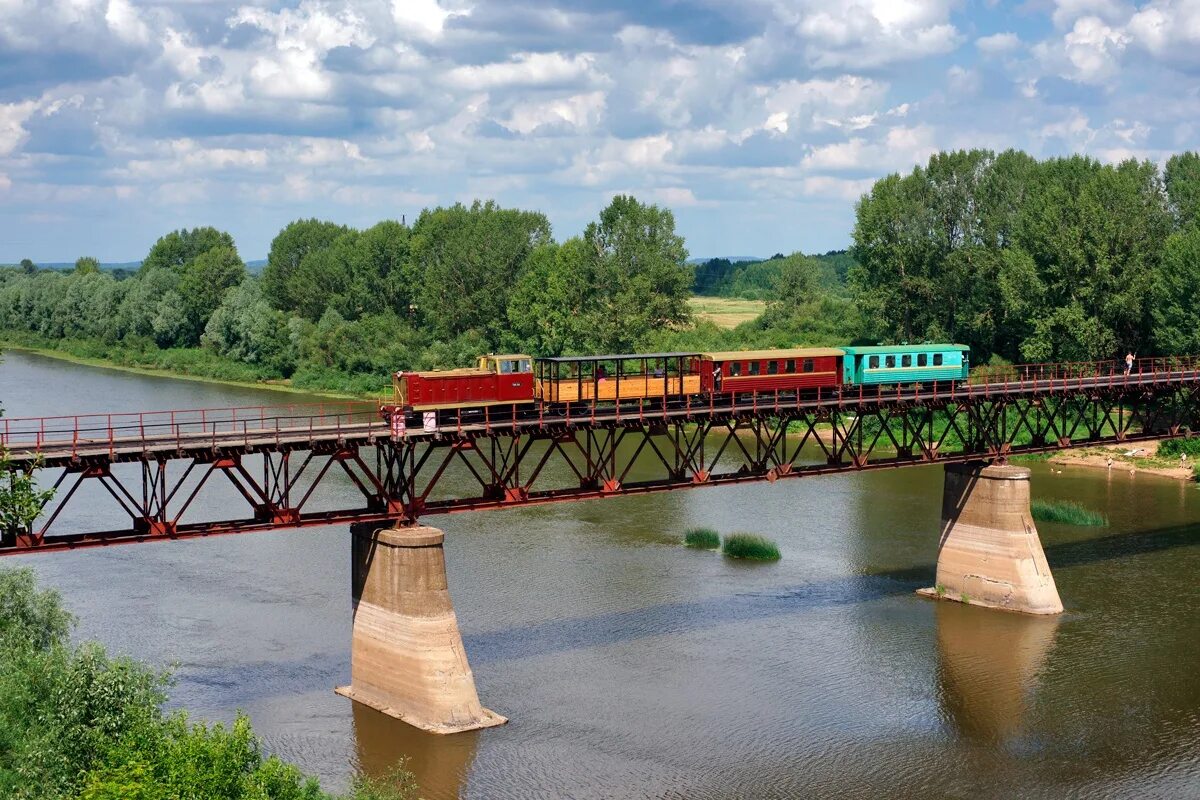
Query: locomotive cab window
874,362
906,361
922,360
772,367
808,365
753,367
889,362
937,359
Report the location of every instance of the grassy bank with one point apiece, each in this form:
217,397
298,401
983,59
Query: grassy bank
193,364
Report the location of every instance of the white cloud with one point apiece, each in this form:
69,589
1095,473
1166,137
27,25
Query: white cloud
577,112
1066,12
524,69
998,44
963,82
425,19
871,33
12,121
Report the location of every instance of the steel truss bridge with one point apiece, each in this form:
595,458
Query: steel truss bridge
280,461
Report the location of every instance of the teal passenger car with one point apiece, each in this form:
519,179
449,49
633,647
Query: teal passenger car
905,363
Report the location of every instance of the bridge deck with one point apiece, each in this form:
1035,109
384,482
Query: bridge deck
137,436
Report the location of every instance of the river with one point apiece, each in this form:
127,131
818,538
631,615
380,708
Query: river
632,667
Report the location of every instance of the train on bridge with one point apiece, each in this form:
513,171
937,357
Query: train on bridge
533,385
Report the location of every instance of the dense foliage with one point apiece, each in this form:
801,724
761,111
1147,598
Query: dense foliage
337,308
78,723
1062,259
756,280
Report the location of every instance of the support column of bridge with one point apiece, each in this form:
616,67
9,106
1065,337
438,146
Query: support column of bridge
989,553
406,656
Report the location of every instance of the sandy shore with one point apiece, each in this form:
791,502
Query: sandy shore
1134,457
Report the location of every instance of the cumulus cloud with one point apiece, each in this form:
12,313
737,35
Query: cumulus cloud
247,113
998,43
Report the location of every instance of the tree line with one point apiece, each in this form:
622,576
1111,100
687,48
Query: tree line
1021,259
340,308
1056,260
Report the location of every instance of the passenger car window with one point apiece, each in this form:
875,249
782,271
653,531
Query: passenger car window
874,362
808,365
922,360
889,362
937,359
735,368
906,361
753,367
791,365
772,367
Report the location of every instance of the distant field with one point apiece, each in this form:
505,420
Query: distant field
726,312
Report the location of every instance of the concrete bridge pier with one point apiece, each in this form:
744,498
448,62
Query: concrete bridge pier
406,655
989,553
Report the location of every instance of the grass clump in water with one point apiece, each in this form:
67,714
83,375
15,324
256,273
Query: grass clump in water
1066,513
748,545
702,538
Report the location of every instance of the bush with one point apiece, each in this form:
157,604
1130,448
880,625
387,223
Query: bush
75,722
1173,448
1066,513
749,545
702,538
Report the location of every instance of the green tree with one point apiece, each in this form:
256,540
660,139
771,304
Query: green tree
203,283
639,272
28,267
179,248
245,328
1176,303
796,284
288,250
469,260
86,265
1182,181
21,500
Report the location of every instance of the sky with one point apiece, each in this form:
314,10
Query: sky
759,123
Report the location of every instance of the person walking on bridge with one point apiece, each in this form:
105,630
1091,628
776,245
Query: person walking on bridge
1128,363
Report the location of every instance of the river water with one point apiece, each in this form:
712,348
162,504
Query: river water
632,667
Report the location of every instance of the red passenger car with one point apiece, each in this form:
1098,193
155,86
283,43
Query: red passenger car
771,370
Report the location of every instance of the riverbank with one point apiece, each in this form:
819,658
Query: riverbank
209,364
1139,457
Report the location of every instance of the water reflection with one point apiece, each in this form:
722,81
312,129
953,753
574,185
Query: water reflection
439,763
988,669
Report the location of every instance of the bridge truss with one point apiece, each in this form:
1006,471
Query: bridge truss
277,467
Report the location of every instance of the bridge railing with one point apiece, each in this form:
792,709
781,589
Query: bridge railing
1006,375
182,426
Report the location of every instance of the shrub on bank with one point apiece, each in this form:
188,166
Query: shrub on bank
1173,448
751,546
702,538
76,722
1066,513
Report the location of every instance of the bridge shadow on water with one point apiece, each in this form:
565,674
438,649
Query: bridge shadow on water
239,684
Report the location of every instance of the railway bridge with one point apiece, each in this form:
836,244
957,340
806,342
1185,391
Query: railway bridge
341,463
